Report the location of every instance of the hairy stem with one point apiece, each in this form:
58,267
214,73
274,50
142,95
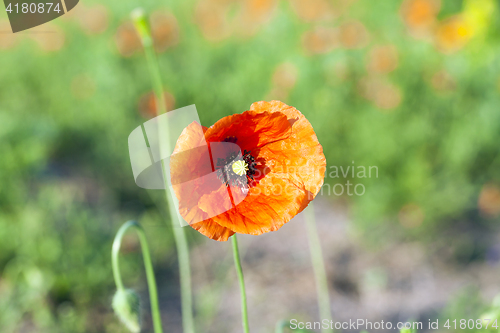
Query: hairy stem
181,243
148,265
318,266
239,271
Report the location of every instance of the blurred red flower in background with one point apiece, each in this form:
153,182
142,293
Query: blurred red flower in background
382,59
147,104
420,16
219,19
452,34
164,29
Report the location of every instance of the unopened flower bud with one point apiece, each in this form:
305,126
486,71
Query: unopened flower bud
126,304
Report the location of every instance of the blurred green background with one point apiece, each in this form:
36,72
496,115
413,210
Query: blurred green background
411,87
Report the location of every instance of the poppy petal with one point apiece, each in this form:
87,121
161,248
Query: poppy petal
213,230
252,129
301,151
191,171
267,207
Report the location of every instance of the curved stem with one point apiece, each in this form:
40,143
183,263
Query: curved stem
318,266
142,27
239,271
115,251
153,293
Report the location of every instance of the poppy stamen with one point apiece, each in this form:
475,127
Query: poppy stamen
236,172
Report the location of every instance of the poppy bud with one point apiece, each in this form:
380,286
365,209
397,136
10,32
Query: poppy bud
126,304
142,26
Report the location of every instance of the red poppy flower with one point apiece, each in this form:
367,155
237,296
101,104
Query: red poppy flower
279,172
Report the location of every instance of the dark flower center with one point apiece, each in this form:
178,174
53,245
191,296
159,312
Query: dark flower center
236,171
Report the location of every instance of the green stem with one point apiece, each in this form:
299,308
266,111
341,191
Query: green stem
280,326
184,272
239,271
318,266
142,27
153,293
